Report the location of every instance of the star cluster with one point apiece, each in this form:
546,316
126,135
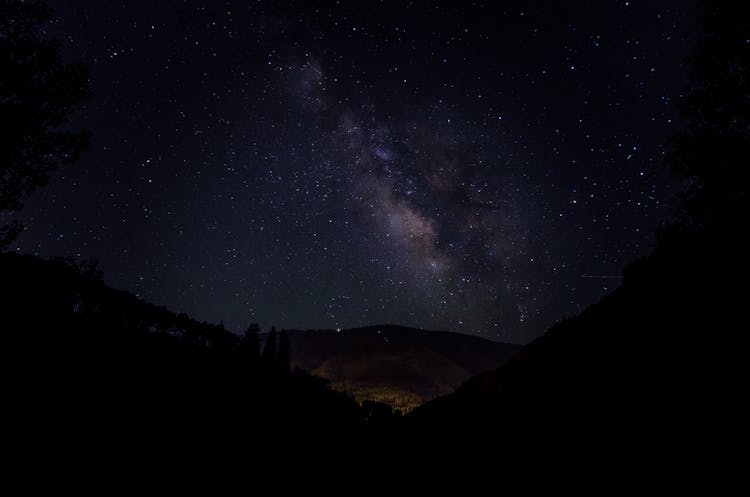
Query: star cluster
481,167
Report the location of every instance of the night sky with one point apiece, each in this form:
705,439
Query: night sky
486,168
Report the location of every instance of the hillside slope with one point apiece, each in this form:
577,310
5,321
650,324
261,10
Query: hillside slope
647,358
400,366
88,361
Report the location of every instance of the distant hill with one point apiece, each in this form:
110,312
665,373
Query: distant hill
400,366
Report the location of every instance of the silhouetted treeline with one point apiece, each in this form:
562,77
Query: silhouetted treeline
86,356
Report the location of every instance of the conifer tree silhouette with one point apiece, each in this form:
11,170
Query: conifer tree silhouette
269,349
712,150
251,342
38,92
284,355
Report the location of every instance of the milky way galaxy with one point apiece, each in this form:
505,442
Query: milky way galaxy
337,164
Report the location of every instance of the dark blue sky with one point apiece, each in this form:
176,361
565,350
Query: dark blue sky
480,167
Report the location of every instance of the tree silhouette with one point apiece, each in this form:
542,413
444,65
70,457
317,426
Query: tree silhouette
38,92
284,355
269,349
251,342
712,150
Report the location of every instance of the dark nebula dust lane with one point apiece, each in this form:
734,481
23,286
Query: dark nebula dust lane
485,168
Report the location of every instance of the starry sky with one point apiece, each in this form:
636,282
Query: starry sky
482,167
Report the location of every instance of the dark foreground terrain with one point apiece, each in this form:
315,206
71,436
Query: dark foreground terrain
652,361
86,361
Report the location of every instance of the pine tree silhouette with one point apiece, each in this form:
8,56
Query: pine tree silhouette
269,350
251,342
284,355
37,94
712,150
